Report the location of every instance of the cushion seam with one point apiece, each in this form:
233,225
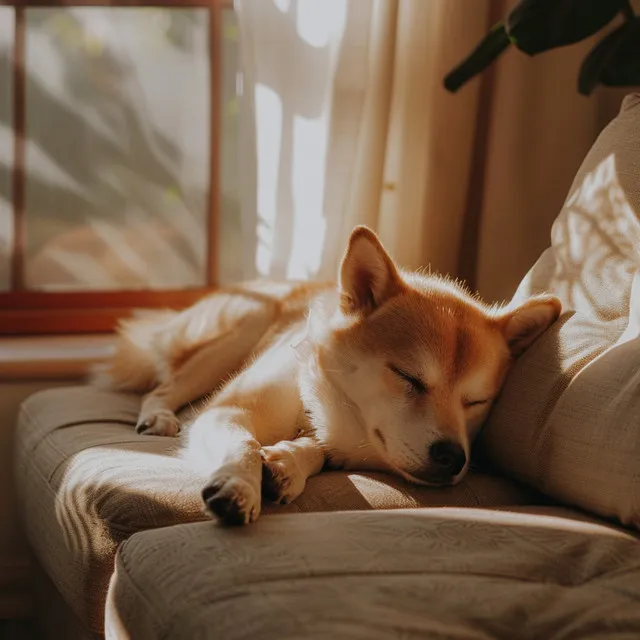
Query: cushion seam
120,559
42,441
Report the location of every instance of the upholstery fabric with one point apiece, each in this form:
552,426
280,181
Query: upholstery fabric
568,420
87,482
441,573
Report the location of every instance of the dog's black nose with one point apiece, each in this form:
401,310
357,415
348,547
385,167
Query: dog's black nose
449,457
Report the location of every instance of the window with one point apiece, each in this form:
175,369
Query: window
118,137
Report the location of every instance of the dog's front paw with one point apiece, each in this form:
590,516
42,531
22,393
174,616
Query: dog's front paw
160,423
282,479
232,499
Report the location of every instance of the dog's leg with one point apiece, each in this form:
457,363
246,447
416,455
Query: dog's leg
287,465
221,443
157,414
205,370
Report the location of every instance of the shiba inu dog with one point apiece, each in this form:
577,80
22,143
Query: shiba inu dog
388,370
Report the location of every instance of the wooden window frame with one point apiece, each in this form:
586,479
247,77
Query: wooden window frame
39,312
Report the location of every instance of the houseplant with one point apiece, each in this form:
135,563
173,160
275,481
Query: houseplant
535,26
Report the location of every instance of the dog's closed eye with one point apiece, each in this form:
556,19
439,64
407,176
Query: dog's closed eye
474,403
417,385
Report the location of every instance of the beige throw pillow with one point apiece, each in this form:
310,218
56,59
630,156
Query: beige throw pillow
568,420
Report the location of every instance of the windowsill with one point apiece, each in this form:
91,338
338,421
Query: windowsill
51,357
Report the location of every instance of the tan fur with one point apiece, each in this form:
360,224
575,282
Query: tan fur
389,370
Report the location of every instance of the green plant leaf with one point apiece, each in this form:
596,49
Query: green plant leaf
623,67
598,58
535,26
492,45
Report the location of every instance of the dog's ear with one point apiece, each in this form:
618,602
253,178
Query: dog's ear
368,275
522,326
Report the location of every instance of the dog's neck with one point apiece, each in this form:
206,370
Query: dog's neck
334,417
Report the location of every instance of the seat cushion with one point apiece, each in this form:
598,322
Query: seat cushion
568,419
87,481
436,573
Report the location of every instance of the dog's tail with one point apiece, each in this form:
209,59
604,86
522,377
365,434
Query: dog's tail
136,361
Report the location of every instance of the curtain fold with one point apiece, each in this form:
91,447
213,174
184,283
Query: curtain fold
344,121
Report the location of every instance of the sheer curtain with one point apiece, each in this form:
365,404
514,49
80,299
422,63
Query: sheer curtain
344,121
290,54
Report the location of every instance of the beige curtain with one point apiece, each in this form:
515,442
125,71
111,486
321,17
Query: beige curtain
539,130
348,123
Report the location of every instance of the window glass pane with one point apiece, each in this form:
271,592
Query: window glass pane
7,26
231,240
117,152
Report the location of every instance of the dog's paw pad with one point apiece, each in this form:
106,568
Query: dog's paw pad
162,423
282,480
232,500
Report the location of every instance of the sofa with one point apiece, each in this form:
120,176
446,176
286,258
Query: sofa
540,540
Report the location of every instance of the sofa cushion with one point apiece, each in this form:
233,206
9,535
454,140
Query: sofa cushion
441,573
87,481
568,420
